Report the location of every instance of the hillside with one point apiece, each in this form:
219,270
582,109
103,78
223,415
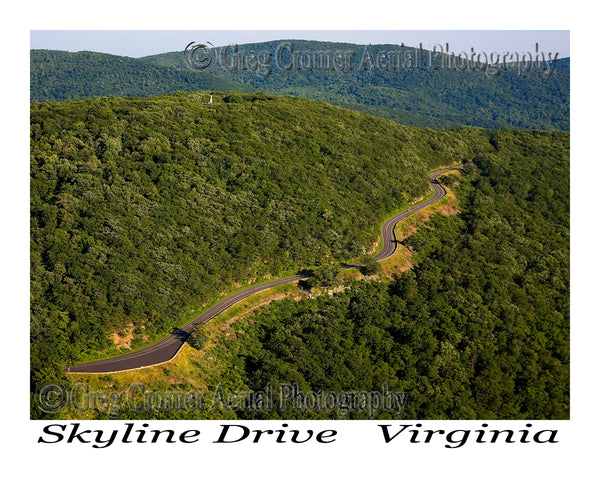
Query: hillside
143,211
435,99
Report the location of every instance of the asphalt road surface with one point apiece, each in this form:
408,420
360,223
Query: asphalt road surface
166,349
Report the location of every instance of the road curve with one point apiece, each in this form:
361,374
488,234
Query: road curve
166,349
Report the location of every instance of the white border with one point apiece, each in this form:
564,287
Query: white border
359,454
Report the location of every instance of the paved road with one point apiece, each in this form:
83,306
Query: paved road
167,348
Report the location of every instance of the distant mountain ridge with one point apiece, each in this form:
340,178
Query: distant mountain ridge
60,75
438,99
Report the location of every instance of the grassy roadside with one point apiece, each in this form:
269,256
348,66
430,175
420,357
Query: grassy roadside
194,368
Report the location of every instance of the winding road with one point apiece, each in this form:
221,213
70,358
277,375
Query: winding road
166,349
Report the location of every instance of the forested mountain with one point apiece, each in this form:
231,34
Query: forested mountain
58,75
145,211
427,98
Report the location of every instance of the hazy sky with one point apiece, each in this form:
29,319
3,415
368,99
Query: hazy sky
138,43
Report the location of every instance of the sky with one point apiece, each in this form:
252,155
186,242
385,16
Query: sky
139,43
